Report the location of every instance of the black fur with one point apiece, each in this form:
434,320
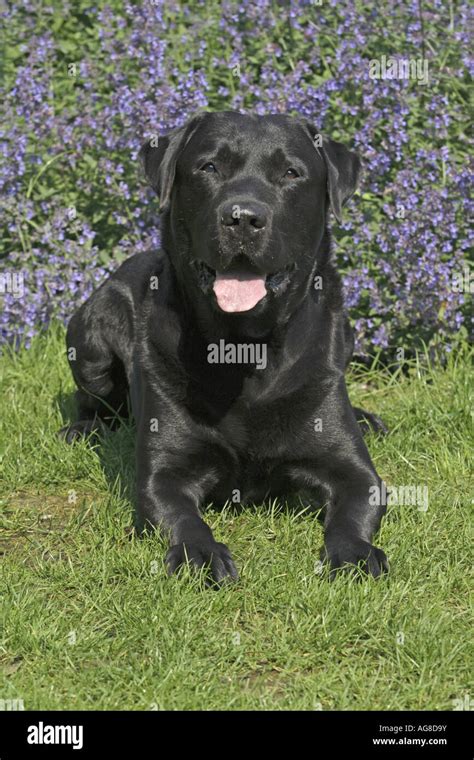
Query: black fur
207,431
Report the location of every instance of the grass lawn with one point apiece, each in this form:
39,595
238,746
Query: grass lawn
92,621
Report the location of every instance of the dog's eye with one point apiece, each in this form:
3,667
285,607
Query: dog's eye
208,167
291,174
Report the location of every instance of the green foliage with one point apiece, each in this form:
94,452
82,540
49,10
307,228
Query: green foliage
92,621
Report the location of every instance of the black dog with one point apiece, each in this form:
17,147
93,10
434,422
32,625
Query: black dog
232,341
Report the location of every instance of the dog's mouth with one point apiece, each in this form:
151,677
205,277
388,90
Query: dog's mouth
240,290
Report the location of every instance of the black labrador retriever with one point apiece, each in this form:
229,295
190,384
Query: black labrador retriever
231,342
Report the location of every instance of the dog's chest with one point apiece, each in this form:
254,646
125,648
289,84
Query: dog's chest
260,430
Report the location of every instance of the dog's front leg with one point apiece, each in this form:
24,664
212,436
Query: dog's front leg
175,474
353,516
354,497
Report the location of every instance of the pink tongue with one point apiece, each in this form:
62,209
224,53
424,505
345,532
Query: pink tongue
239,292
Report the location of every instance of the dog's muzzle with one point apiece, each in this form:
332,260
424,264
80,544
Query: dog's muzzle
240,290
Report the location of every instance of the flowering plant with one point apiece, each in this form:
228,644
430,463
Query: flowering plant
84,84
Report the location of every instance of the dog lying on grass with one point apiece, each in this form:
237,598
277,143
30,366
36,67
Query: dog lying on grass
231,342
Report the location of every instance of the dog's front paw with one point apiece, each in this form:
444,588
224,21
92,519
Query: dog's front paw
347,553
209,554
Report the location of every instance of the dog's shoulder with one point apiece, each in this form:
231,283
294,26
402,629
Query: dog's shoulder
139,268
134,278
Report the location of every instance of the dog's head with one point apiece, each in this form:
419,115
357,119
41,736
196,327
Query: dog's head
245,201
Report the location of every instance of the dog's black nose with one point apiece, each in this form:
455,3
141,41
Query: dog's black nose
245,214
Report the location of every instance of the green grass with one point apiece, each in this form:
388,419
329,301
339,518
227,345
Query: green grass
92,621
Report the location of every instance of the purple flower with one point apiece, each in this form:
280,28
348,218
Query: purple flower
74,205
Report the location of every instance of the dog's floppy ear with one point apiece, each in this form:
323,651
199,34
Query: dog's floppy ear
158,156
343,168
